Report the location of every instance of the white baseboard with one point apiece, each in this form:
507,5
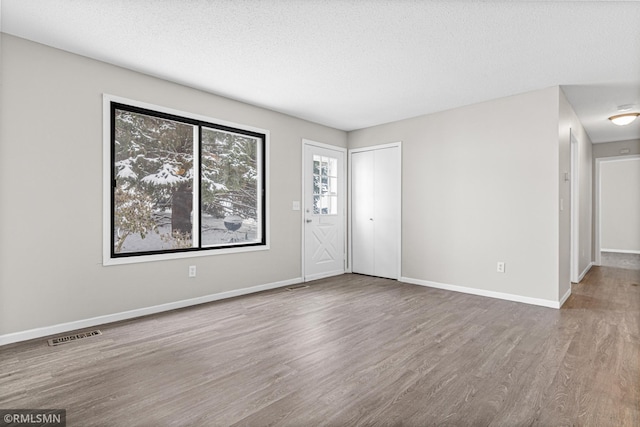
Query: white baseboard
565,296
484,293
584,273
109,318
621,251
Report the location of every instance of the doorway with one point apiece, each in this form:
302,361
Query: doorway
324,219
617,207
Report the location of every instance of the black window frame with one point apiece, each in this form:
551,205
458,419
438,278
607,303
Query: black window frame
200,124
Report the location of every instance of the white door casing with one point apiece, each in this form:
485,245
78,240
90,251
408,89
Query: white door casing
575,208
324,221
617,200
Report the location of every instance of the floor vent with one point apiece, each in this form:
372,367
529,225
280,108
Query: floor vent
75,337
296,287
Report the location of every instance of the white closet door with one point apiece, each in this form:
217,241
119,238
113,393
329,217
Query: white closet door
386,217
376,211
362,246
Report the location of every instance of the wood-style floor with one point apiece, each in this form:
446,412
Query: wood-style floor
351,350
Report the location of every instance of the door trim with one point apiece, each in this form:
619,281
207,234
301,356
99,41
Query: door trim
342,198
398,145
599,161
574,250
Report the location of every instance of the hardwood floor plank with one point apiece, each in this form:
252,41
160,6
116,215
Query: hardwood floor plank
349,351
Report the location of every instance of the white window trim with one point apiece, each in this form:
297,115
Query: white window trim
107,260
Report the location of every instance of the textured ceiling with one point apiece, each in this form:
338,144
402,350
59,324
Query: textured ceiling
354,64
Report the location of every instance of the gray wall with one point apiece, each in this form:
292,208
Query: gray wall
51,190
569,123
612,149
481,185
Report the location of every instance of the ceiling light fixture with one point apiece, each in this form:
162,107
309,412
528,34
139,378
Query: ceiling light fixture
624,119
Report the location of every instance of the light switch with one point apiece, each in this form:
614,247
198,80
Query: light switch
296,205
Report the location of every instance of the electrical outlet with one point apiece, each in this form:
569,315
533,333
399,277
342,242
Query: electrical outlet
192,271
500,268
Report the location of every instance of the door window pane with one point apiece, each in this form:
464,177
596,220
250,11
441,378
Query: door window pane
325,185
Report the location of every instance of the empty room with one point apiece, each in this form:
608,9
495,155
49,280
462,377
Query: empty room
338,213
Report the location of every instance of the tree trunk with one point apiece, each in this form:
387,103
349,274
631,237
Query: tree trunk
181,207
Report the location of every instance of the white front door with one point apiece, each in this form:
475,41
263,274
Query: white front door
324,211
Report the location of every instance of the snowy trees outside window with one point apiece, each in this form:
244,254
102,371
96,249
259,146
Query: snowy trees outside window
181,184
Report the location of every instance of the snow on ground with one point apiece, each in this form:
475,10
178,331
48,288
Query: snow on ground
213,233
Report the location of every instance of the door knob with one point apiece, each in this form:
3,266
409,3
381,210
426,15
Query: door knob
309,220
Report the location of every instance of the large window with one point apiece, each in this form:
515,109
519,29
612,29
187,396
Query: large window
181,184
